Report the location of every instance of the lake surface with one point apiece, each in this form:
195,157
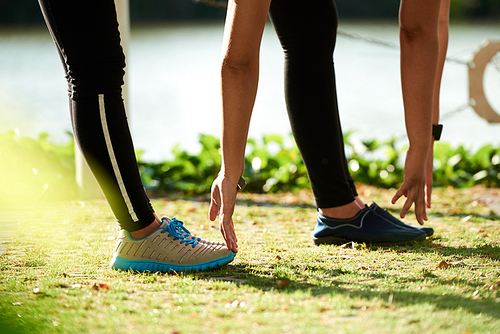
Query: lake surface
172,76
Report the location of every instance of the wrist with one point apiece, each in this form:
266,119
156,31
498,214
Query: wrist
232,169
231,174
419,152
234,178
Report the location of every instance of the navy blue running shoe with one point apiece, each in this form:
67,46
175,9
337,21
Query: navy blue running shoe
366,226
384,213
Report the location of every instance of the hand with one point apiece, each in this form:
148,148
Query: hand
429,177
413,187
222,205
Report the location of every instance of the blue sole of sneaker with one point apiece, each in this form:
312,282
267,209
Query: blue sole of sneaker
341,241
119,263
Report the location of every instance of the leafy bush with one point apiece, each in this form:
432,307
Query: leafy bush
194,174
272,172
187,173
38,169
379,163
462,168
272,167
35,169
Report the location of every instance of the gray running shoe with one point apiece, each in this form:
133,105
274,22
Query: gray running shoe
170,248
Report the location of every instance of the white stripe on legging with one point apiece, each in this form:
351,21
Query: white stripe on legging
114,163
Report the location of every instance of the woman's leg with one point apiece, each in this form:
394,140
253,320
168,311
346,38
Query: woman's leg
307,34
87,37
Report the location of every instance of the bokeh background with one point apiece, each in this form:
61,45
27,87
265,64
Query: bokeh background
172,69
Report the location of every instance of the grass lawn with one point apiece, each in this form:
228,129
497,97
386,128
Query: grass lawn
55,276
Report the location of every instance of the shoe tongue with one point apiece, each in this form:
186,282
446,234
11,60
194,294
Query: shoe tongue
165,221
174,227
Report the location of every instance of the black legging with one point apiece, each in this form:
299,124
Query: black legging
307,32
87,38
86,35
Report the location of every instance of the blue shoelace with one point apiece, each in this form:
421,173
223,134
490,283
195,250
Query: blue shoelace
176,229
182,230
186,232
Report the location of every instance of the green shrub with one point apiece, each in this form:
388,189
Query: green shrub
379,163
36,169
187,173
462,168
271,166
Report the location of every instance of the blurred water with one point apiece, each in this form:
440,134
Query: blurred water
173,85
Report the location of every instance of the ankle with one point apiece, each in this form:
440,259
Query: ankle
144,232
341,212
360,203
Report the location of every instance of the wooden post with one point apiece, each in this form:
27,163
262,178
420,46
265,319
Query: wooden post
89,189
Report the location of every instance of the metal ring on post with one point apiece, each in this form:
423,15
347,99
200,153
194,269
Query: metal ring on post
477,67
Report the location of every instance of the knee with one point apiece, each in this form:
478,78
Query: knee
411,27
314,43
92,80
315,30
234,67
237,63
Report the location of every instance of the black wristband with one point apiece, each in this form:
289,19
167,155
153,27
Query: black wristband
437,130
241,183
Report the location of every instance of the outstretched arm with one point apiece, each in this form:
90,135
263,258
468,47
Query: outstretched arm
419,59
245,22
444,18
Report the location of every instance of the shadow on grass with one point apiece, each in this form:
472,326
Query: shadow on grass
459,215
245,276
364,287
483,251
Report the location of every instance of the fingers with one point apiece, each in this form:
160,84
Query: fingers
428,196
214,208
414,196
420,213
428,185
222,205
227,230
396,197
417,175
402,191
226,226
422,199
235,237
406,207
